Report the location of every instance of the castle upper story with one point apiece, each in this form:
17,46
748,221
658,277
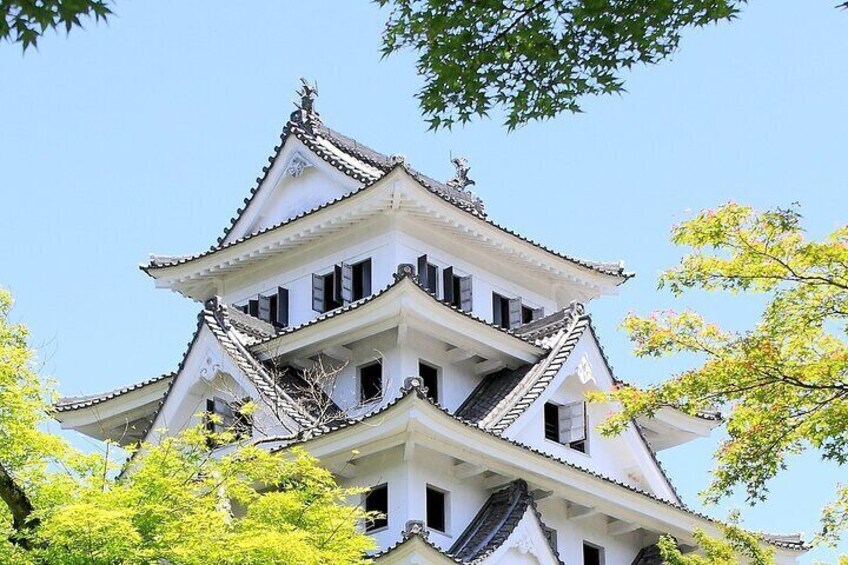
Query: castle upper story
330,220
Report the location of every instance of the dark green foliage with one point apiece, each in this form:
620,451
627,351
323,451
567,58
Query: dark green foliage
535,58
25,21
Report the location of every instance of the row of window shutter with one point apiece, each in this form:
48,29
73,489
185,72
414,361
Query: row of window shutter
271,308
343,291
515,314
459,295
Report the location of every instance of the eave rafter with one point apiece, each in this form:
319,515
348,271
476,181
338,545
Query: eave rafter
396,193
586,492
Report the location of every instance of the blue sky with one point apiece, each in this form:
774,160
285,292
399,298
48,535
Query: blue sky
144,135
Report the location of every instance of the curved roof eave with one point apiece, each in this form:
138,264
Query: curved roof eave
613,270
418,395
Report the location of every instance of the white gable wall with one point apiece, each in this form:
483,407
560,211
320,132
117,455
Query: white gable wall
208,372
282,196
622,457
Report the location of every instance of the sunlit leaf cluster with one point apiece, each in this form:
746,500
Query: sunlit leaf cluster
176,502
783,383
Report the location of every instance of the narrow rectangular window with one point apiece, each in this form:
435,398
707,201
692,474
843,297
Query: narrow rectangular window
361,273
436,509
253,308
428,275
463,285
280,308
551,536
500,310
242,423
377,500
264,309
552,422
592,554
319,292
330,301
370,382
430,376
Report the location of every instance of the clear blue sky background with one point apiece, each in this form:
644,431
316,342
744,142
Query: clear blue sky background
145,134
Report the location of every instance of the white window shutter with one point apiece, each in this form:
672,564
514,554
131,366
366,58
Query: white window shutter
265,308
465,300
345,285
318,293
572,422
514,313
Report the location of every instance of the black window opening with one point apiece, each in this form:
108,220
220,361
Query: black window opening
506,312
529,314
456,290
436,509
430,378
592,554
510,313
377,500
361,279
567,424
370,382
343,285
428,275
552,422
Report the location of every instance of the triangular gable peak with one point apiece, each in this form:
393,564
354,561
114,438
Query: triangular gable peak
627,457
507,529
297,181
328,165
217,364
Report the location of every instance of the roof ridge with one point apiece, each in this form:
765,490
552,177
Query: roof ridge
520,397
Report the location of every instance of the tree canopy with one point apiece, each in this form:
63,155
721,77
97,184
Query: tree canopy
535,58
176,502
784,382
25,21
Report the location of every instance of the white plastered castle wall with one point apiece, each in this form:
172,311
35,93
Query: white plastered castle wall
208,372
623,457
297,182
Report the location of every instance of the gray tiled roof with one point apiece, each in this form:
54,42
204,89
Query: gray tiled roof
70,403
349,158
784,541
365,165
502,397
494,523
252,328
649,556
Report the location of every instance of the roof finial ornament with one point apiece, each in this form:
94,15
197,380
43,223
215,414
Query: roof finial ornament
305,113
460,179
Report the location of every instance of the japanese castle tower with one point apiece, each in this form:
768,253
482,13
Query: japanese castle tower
454,356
